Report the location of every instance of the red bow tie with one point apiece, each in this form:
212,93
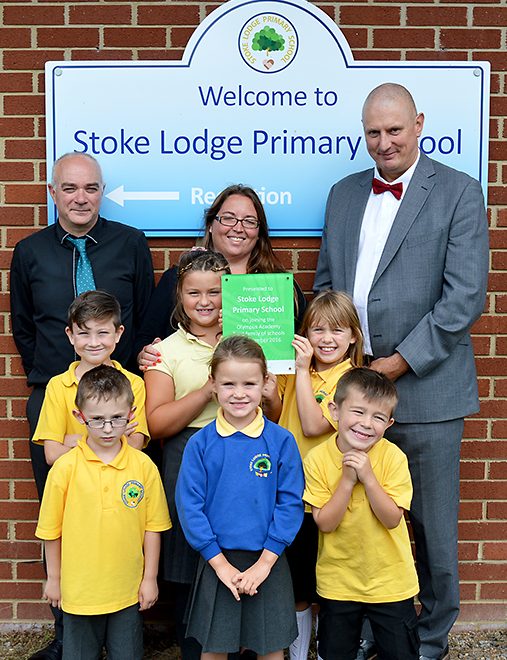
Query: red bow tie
381,187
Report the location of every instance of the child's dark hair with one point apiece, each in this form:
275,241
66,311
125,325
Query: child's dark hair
238,347
337,309
103,382
196,260
372,384
94,305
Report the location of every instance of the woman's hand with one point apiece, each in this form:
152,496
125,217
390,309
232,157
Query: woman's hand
149,356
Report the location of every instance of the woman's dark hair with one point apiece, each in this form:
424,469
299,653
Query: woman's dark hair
262,259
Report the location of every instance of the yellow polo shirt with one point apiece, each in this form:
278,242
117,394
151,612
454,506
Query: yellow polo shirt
323,388
361,560
101,512
56,419
186,359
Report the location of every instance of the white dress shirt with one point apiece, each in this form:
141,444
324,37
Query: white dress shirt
377,222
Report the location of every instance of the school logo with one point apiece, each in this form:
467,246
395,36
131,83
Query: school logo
320,396
260,465
268,43
132,493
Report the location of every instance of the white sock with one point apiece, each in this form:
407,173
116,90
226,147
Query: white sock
299,648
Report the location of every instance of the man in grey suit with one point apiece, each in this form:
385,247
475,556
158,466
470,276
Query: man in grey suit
409,241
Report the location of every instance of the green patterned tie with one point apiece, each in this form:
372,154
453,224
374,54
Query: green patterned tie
84,272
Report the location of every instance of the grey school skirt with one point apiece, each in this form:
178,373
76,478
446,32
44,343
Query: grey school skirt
179,560
263,623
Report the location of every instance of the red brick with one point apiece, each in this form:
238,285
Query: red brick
33,612
180,36
468,590
15,82
161,54
102,54
95,14
168,15
405,38
498,470
479,571
28,14
15,37
474,428
25,531
14,126
6,611
33,570
489,324
25,149
492,16
470,38
15,510
356,37
436,16
25,194
495,551
496,511
134,37
499,260
17,590
21,550
391,55
67,37
472,470
497,149
493,591
490,367
438,55
5,570
468,551
27,104
25,490
482,531
470,511
30,59
12,171
501,387
371,16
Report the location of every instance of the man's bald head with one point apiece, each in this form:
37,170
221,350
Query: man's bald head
392,128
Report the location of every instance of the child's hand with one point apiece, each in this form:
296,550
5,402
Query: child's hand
148,593
207,389
149,356
304,352
249,580
348,473
359,461
226,573
71,439
220,320
130,428
52,592
270,389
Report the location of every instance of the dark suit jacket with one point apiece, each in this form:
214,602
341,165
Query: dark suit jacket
429,287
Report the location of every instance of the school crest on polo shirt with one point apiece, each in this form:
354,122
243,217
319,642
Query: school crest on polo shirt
132,493
260,465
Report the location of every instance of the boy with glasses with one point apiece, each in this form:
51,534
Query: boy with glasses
101,516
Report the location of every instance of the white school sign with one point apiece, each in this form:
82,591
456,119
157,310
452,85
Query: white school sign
267,94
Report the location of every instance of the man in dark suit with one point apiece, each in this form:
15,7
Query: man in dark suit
409,241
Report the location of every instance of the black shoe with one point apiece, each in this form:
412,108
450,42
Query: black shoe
367,650
53,651
443,656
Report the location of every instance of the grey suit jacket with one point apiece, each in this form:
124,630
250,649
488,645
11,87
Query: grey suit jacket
429,287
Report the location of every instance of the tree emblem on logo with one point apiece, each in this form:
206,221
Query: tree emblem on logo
268,40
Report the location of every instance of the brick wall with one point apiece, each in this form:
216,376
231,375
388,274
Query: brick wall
32,32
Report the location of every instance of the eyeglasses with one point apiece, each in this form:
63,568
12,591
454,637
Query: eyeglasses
116,422
230,220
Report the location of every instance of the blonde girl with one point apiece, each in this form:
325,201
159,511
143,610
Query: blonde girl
179,402
329,344
239,501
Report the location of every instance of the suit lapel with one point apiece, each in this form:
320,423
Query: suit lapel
357,206
417,192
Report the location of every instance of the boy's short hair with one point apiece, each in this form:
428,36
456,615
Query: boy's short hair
372,384
94,305
103,382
